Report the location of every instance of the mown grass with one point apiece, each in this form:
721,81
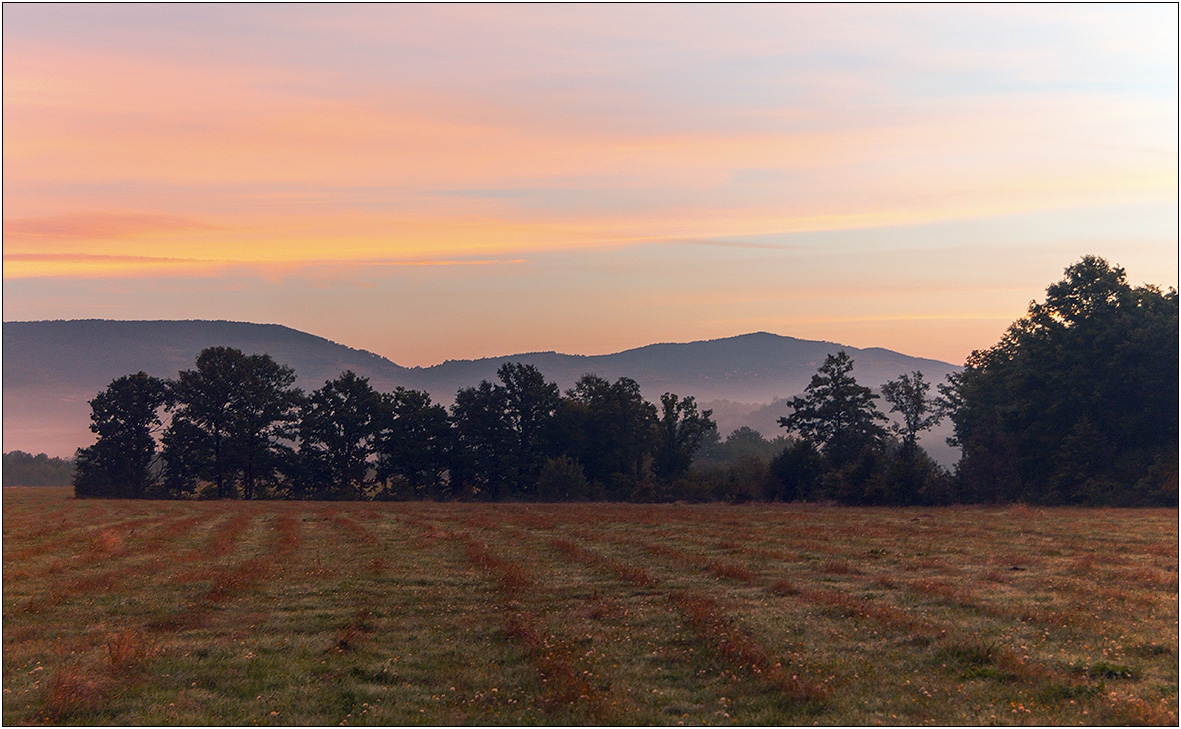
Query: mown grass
419,613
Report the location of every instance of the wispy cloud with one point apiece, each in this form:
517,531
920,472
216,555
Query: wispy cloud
91,265
90,226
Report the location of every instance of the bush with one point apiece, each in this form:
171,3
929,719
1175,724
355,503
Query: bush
795,473
562,479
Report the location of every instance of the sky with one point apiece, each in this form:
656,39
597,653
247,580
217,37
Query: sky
435,182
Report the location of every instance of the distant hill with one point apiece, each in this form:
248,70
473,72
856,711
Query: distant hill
53,368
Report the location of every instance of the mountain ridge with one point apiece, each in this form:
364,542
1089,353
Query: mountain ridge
52,368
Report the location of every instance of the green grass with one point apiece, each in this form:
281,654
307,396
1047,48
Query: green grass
418,613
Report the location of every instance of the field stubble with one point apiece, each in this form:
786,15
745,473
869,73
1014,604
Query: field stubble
424,613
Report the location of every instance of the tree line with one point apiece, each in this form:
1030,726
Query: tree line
26,469
239,428
1076,404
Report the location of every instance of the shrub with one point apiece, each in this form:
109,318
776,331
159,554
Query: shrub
795,473
562,479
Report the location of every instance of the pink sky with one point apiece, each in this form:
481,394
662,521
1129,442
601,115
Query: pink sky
434,182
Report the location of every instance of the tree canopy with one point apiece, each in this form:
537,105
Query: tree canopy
681,431
835,413
907,395
338,431
1078,401
234,417
125,416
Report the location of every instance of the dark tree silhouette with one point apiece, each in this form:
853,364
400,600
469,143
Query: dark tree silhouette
337,435
413,445
680,432
907,395
531,404
482,462
1078,401
125,416
796,472
232,416
835,413
608,428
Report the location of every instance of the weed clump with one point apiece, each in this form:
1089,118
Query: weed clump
106,543
127,650
975,659
1058,692
72,690
1150,650
1103,669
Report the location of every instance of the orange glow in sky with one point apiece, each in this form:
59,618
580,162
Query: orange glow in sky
465,181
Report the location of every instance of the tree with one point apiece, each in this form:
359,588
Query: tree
835,413
742,442
196,444
907,394
681,430
265,420
608,428
531,404
413,443
337,433
125,416
482,462
25,469
1078,401
911,475
234,416
796,472
562,479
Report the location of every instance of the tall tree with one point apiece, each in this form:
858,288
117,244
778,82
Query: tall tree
796,472
413,443
835,413
266,420
482,462
337,435
907,395
531,404
234,416
196,444
1078,401
681,431
609,428
125,416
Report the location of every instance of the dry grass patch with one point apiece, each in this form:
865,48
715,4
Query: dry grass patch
414,613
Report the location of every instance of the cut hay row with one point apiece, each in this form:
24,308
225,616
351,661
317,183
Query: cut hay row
706,618
1014,604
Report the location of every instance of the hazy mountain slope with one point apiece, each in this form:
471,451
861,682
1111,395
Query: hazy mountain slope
751,368
52,368
94,351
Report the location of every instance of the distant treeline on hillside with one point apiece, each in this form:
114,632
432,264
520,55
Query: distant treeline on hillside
25,469
1076,404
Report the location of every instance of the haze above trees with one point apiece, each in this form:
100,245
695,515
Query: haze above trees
52,369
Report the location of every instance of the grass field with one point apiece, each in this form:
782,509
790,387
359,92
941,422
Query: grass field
413,613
